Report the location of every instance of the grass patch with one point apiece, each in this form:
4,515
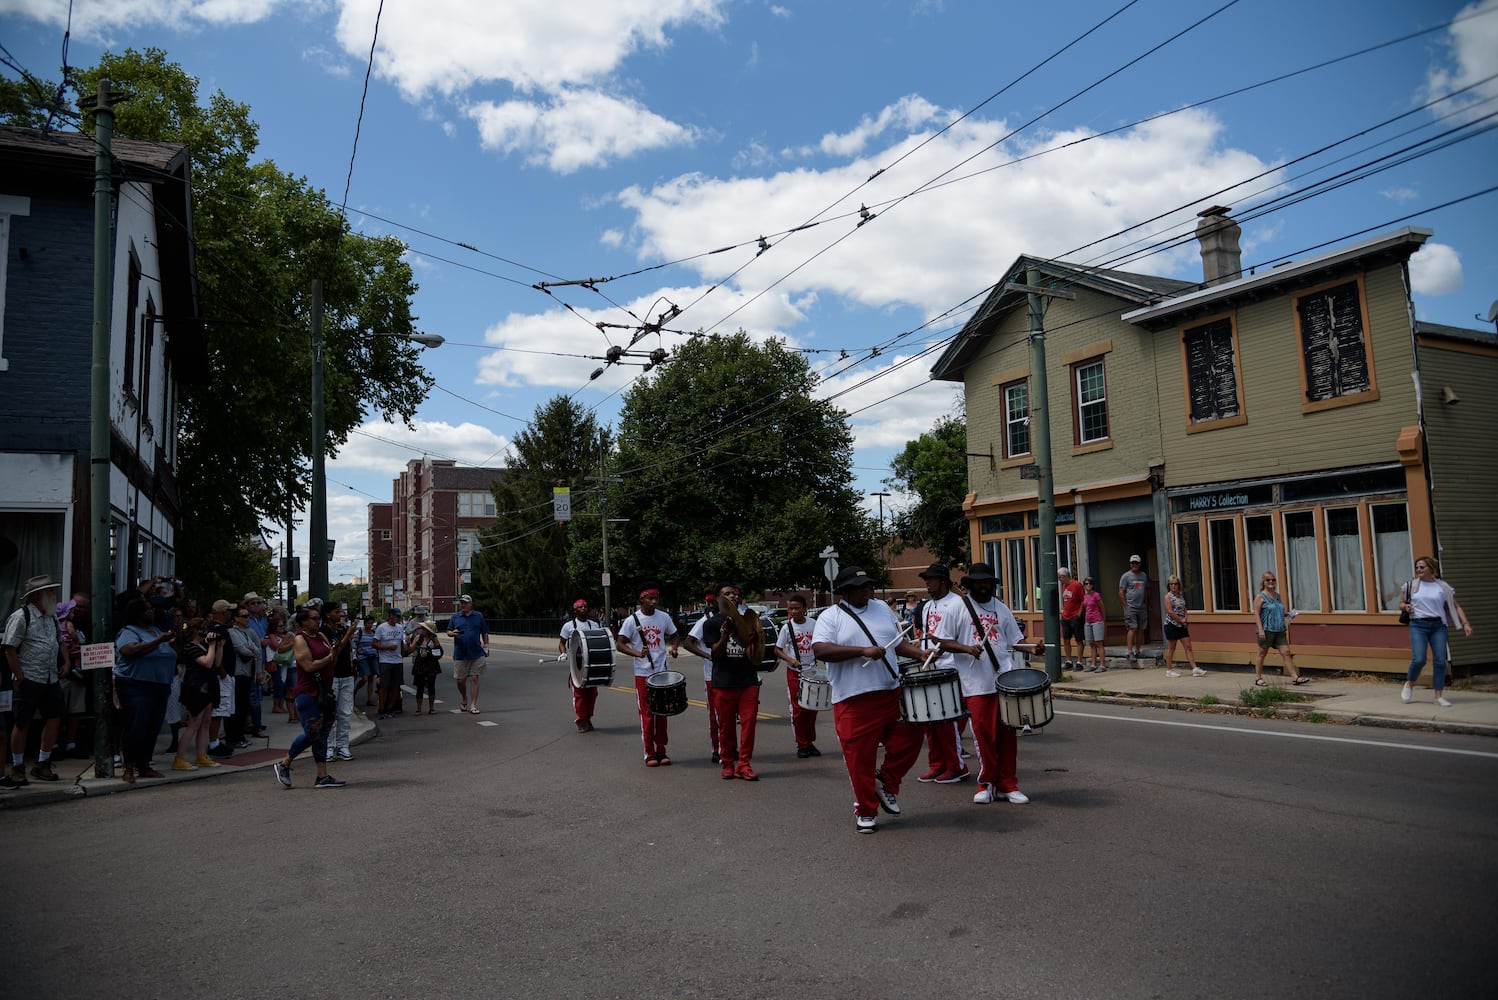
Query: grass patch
1316,717
1269,697
1209,699
1104,693
1367,678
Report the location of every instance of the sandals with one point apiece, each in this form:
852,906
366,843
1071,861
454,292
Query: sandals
1261,683
1301,680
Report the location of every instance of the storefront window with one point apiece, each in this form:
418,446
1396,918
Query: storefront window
1258,535
1016,580
1301,565
1222,537
1189,563
1344,555
1066,553
1392,560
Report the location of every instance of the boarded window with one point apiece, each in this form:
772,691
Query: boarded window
1211,376
1332,340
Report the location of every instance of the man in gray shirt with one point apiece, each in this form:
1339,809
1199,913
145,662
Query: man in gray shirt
31,647
1133,591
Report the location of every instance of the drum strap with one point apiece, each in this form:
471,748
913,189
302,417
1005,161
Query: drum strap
883,657
639,628
982,635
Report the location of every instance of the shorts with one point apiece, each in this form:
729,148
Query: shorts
1272,640
74,696
34,698
1136,618
392,675
369,666
467,668
224,707
1095,631
1174,633
1071,628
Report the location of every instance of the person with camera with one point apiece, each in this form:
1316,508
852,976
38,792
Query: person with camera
145,664
315,657
221,648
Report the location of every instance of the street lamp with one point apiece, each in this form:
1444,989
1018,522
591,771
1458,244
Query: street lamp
317,520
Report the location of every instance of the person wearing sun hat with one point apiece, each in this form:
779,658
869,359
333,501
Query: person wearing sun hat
33,646
583,698
643,637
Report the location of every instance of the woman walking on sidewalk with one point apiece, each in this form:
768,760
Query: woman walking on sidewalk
1271,624
314,695
1431,604
1176,630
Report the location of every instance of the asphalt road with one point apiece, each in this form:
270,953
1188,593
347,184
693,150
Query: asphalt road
1163,855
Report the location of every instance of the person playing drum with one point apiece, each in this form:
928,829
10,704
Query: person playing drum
643,636
793,648
585,697
979,637
941,605
859,641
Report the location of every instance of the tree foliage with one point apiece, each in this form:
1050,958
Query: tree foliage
733,470
933,470
521,567
261,236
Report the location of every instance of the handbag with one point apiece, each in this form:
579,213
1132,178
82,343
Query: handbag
1404,616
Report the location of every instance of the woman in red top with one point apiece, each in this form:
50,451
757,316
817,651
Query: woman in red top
315,656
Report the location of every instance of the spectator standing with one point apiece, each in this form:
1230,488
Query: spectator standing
1094,623
221,647
198,691
70,675
33,651
334,628
145,665
282,665
1176,630
368,659
426,664
1133,592
390,645
245,648
1071,619
470,637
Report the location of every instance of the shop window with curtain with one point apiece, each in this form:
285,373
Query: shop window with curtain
1016,579
1302,567
1066,553
1344,556
1189,564
1222,538
1393,562
1258,538
31,543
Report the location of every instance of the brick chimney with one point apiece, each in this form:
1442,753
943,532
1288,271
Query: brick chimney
1222,260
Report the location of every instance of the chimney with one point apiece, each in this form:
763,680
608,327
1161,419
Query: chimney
1222,260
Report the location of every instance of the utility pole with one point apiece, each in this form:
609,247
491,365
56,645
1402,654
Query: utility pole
317,521
102,106
603,523
883,540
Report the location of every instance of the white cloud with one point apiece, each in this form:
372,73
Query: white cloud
327,60
890,403
779,11
99,19
1400,193
385,448
907,114
611,238
1472,47
575,129
1436,270
449,45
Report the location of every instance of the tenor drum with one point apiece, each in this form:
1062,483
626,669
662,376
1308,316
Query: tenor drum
814,692
931,696
1025,698
666,693
590,657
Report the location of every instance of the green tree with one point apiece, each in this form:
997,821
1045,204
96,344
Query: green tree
260,237
933,470
521,567
732,469
244,565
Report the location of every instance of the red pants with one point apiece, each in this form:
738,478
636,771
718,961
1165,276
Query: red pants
945,755
741,706
998,745
652,726
583,700
712,718
803,720
862,723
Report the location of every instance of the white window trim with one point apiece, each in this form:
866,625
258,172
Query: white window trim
1077,370
10,204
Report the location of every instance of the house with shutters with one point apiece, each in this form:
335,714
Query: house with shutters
1297,421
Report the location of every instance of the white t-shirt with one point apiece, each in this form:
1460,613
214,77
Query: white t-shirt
650,635
858,675
572,625
937,616
800,646
707,663
386,632
1000,631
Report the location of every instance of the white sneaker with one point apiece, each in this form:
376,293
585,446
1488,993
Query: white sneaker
1405,694
984,796
345,754
1172,673
1198,672
887,799
1443,703
1018,798
866,824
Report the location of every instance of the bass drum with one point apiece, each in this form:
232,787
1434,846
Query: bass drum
590,657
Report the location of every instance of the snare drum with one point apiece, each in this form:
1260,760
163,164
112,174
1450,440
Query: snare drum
814,691
1025,698
666,693
931,696
590,657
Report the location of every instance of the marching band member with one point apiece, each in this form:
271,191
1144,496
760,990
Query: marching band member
793,648
643,636
694,645
859,640
980,651
583,698
737,645
940,606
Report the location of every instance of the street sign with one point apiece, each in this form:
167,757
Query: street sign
561,503
98,655
606,580
829,564
291,567
1029,472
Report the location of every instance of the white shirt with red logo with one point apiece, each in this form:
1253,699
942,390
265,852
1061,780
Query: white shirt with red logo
937,616
651,635
801,650
1000,631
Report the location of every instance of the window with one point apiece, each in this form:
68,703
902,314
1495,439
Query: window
1337,367
1189,563
1392,562
1302,568
1016,419
384,534
1091,401
1211,362
475,504
1016,580
147,348
1344,556
1258,535
1066,554
1222,537
132,302
468,544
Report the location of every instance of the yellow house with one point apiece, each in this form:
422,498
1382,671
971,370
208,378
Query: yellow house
1295,421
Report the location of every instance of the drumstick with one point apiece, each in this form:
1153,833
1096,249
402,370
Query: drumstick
558,659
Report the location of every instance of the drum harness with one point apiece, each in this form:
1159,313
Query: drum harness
982,634
649,657
884,656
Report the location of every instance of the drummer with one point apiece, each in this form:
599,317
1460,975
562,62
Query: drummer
859,641
694,645
793,648
643,635
583,698
736,641
940,606
979,657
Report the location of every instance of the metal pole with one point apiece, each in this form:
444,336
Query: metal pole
317,522
100,583
1040,428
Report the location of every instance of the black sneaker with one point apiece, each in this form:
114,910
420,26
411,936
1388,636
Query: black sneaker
802,753
222,750
6,781
283,774
328,781
813,751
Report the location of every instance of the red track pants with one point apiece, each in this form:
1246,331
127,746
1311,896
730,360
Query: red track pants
652,727
998,745
737,710
862,723
583,700
803,720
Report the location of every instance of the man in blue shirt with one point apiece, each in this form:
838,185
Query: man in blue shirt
470,647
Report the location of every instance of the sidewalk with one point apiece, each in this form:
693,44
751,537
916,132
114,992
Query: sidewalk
76,780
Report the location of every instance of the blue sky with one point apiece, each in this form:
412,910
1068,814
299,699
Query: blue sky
593,138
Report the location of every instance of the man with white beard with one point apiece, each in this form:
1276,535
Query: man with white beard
31,644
